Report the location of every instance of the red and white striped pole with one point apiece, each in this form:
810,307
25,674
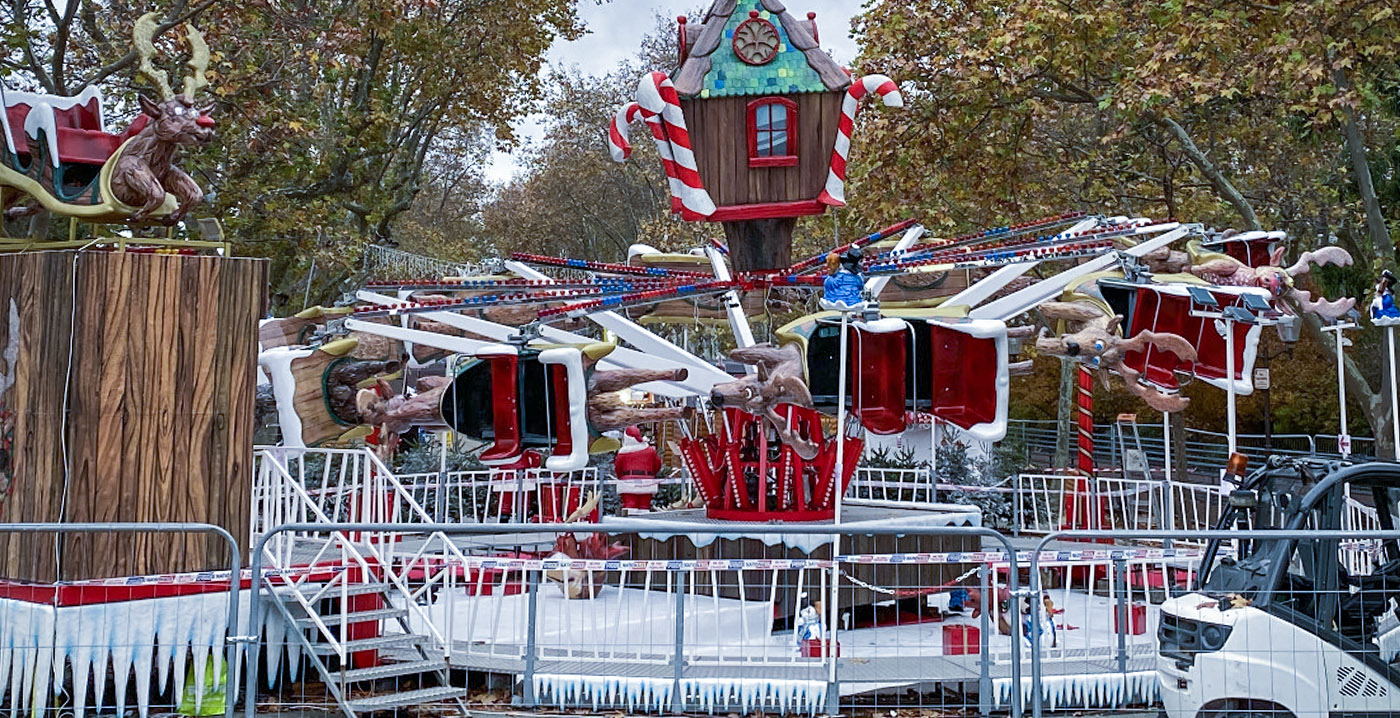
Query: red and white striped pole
835,192
1077,514
658,98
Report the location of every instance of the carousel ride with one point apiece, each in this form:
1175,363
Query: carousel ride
765,444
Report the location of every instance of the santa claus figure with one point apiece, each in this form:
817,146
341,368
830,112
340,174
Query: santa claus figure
636,466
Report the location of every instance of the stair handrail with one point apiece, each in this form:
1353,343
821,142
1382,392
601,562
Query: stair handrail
352,553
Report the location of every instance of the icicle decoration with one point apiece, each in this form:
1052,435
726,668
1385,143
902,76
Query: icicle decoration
139,640
704,694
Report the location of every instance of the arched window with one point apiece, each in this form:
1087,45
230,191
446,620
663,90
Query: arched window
772,132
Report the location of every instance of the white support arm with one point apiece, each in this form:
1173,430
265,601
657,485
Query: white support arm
1043,291
638,336
738,321
875,285
458,345
620,358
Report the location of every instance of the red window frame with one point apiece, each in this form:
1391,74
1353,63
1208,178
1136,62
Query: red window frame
784,160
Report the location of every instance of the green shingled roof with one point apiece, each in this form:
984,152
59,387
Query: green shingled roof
786,74
711,68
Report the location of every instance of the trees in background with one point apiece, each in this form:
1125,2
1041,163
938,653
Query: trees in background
1281,114
334,118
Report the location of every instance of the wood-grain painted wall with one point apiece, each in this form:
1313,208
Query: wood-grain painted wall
160,400
719,134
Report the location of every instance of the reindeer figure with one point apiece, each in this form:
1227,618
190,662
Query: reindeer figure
1279,280
1095,342
777,381
145,172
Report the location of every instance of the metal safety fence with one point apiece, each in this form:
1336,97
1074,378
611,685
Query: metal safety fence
657,616
103,645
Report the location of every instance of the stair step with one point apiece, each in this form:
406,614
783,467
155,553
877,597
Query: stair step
393,670
407,698
332,620
359,589
370,644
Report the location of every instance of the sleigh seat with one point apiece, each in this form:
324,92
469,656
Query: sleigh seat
70,129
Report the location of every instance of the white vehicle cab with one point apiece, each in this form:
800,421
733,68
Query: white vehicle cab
1303,628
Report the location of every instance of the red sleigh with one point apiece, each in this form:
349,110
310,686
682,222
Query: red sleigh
536,400
1167,308
957,370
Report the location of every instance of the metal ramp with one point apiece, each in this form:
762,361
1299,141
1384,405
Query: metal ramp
323,640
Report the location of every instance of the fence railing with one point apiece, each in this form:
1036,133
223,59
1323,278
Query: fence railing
642,630
497,496
90,629
1205,451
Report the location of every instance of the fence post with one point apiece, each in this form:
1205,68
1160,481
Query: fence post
528,696
1120,580
678,661
984,680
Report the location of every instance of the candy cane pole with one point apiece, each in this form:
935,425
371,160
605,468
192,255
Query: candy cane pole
835,192
620,150
658,98
617,131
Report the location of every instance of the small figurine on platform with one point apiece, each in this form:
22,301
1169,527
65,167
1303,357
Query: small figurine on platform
1046,626
844,287
636,465
809,622
1383,310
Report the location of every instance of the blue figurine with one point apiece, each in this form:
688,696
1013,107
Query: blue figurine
1383,311
809,621
844,288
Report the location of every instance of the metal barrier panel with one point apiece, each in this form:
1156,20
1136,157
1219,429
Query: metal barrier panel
1258,622
163,644
652,616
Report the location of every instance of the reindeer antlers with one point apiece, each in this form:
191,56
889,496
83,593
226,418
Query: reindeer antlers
142,36
198,63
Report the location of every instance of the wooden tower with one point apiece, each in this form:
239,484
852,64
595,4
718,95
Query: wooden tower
754,126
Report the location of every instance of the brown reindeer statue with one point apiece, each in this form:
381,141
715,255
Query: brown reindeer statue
145,171
606,411
779,380
1095,342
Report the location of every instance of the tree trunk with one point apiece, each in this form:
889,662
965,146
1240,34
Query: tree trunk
760,243
1217,179
1065,431
1376,230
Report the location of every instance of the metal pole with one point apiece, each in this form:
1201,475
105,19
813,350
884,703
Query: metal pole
1229,385
1394,392
984,643
833,694
528,690
440,502
1037,704
1343,447
678,661
1120,583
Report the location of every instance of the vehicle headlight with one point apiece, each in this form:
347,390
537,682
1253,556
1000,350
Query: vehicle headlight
1213,636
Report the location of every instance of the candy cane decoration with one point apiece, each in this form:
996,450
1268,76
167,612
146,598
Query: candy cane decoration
617,131
658,99
835,192
620,150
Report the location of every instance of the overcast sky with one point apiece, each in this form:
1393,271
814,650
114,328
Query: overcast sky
615,26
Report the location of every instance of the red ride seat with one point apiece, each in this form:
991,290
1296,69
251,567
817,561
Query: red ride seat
93,147
877,355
